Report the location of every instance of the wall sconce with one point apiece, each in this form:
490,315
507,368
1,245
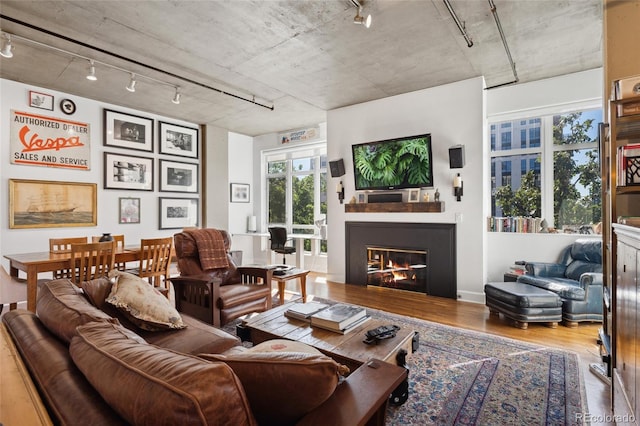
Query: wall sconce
457,187
340,191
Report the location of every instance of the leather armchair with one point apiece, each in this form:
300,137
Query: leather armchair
217,296
576,278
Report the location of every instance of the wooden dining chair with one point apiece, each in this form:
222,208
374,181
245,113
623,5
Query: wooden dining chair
63,246
92,260
119,239
155,260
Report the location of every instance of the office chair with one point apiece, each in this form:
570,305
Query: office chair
278,242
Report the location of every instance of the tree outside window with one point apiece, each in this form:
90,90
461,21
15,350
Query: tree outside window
570,149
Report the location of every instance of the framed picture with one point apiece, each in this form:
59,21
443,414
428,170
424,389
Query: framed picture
362,198
176,176
240,192
178,140
128,172
40,100
178,212
50,204
128,131
128,210
414,195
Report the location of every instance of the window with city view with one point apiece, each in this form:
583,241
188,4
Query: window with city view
548,167
296,183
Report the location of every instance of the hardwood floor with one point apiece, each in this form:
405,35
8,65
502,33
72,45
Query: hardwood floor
473,316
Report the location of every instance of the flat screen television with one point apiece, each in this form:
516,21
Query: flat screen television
393,163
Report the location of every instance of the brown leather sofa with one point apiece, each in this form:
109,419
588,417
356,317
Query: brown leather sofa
91,369
218,295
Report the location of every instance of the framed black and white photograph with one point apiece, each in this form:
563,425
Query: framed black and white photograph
128,131
40,100
414,195
178,140
240,192
128,172
178,212
128,210
176,176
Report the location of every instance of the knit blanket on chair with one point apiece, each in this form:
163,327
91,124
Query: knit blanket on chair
211,249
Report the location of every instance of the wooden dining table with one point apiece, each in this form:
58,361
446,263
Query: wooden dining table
35,263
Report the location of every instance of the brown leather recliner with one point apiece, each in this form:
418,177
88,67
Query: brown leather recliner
217,296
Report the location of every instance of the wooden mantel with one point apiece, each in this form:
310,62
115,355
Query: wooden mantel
430,207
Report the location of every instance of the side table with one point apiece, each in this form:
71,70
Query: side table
294,273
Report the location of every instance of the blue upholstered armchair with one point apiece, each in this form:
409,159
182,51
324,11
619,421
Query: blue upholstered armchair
576,278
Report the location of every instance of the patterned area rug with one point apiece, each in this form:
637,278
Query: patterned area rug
460,377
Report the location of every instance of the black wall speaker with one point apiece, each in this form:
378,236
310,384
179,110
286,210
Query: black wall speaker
337,168
456,157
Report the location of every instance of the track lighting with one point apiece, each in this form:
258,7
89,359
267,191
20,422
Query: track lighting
92,72
132,83
6,47
176,97
359,19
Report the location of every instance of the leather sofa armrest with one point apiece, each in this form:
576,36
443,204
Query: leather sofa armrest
361,399
545,269
255,275
591,278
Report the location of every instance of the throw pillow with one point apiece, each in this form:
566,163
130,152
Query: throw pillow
303,376
148,385
145,306
61,307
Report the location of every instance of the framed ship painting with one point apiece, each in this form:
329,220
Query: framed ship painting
50,204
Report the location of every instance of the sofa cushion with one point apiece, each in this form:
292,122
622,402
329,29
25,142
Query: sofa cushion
303,377
145,306
578,267
62,307
587,249
196,338
154,386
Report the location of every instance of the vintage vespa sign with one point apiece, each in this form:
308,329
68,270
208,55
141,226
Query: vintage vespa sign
37,140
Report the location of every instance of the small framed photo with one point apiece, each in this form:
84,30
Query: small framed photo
129,210
240,192
128,131
128,172
414,195
40,100
178,140
176,176
178,212
362,198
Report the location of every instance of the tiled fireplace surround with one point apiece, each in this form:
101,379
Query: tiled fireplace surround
437,239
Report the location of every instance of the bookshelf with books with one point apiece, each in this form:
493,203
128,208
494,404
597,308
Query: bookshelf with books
527,225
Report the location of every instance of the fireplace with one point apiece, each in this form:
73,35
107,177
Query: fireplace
397,268
429,250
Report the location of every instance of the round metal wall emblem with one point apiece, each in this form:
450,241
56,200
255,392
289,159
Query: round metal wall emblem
67,106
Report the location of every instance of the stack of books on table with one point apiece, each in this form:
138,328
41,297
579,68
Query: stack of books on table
340,318
303,311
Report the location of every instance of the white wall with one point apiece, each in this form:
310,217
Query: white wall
14,95
453,115
241,170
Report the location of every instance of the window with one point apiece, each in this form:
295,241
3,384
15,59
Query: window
296,182
548,167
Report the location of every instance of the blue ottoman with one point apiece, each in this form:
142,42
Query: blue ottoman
523,303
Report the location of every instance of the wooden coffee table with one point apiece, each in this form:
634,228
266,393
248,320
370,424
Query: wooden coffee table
348,349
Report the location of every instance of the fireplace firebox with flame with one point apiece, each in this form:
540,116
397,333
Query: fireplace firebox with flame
398,268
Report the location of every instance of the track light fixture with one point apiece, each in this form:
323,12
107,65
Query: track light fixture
92,71
132,83
359,19
176,97
6,47
6,51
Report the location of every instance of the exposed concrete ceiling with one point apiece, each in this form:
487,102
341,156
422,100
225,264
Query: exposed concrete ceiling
304,57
